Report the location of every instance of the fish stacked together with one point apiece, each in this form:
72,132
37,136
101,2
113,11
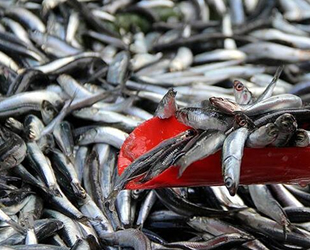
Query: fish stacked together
265,121
77,76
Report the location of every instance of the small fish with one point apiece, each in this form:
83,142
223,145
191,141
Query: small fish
232,153
263,136
206,119
287,126
207,144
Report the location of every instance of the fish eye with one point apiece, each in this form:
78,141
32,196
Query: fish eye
242,122
239,86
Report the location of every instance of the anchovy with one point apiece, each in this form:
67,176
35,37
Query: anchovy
182,60
26,17
123,206
63,165
141,164
110,135
42,166
231,158
9,62
263,136
219,55
267,205
268,50
207,144
270,228
184,207
146,207
17,29
76,77
284,196
64,138
214,226
23,81
166,159
118,69
287,126
12,149
107,167
273,34
100,115
70,231
128,238
48,112
53,45
27,101
200,118
33,127
218,241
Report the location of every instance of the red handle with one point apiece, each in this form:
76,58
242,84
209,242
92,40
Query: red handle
259,166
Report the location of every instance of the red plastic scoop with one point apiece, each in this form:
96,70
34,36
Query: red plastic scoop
259,166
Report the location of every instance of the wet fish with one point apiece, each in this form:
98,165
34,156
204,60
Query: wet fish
205,119
231,158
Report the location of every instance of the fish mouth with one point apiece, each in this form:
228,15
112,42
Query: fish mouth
300,137
230,185
288,126
273,130
213,100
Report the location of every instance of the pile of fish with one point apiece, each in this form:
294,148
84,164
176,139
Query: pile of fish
223,123
77,76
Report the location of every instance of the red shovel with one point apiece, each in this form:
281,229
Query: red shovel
259,166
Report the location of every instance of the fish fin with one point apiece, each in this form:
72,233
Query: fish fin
277,74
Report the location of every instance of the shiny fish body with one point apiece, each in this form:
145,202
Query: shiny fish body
112,136
27,101
203,119
207,145
231,158
262,136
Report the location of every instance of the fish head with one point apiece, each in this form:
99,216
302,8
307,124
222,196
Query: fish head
238,86
272,130
231,174
242,94
225,105
301,138
242,120
286,123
